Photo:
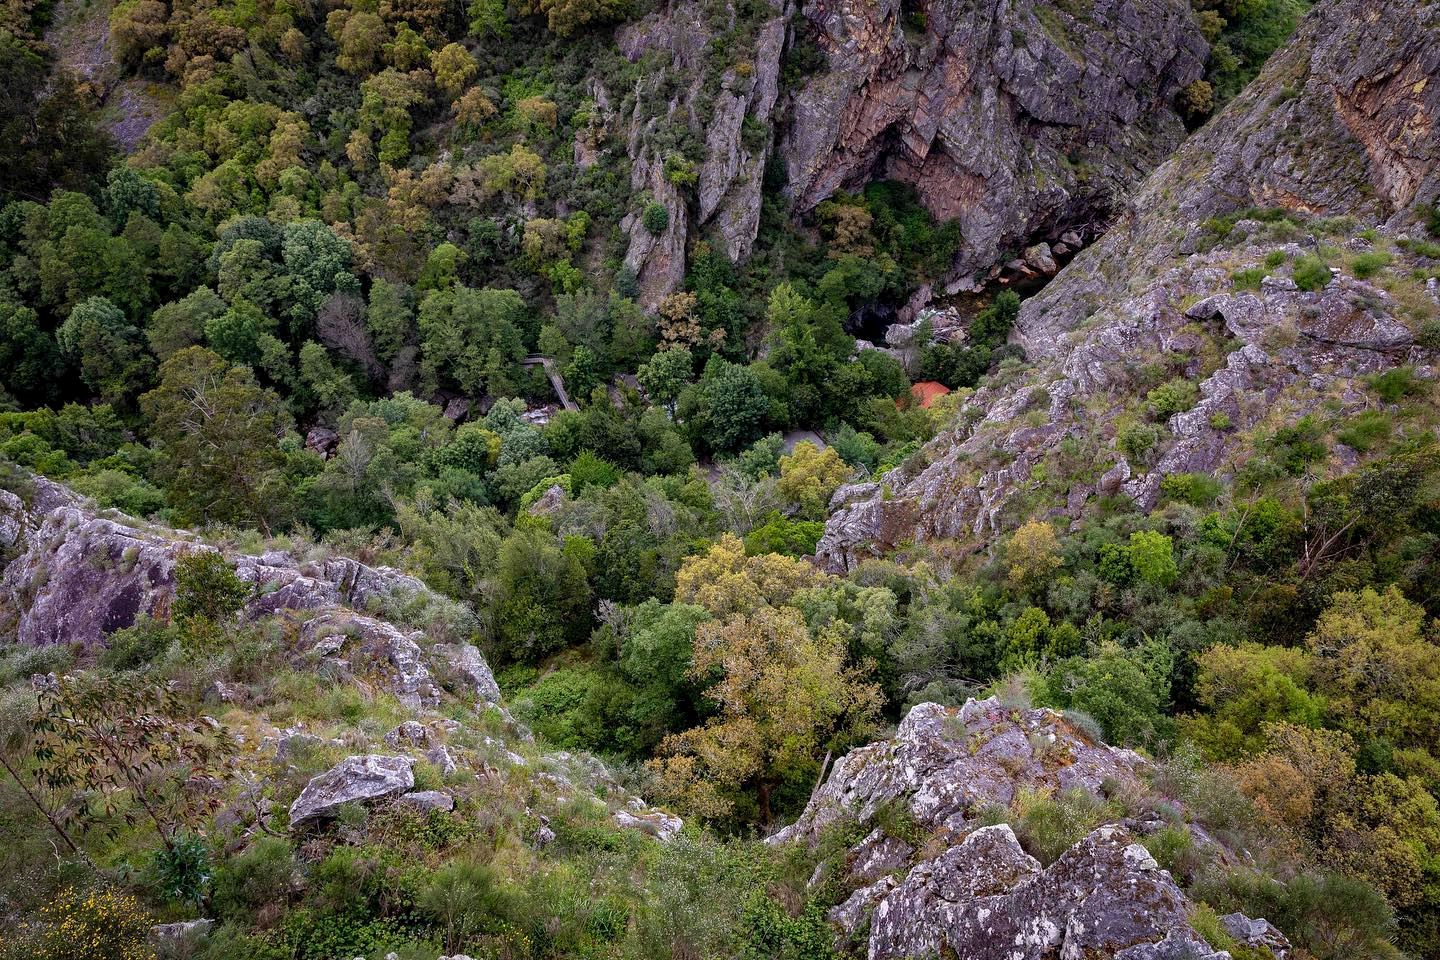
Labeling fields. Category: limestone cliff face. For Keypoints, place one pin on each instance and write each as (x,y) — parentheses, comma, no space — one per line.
(1024,120)
(1341,124)
(732,114)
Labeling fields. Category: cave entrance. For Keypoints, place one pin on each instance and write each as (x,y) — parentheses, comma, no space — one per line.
(871,321)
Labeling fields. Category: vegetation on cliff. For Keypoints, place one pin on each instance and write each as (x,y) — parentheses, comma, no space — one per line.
(311,317)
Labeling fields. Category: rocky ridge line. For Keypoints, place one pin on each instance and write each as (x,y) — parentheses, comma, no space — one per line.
(76,575)
(1339,124)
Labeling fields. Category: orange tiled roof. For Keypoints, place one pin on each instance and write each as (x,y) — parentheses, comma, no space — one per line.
(927,391)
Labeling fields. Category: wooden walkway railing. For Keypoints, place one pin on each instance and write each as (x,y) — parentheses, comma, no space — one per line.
(555,380)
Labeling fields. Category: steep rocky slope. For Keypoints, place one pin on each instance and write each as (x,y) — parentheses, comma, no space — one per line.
(76,576)
(953,885)
(1023,121)
(1335,146)
(948,882)
(725,108)
(80,35)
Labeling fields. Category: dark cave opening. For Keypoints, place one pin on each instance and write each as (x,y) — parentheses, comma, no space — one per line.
(870,321)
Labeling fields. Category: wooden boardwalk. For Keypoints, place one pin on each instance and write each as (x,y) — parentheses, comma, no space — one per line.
(555,380)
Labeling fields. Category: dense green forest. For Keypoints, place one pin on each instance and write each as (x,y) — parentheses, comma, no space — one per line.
(296,317)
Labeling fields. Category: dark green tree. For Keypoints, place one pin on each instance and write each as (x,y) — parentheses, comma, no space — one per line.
(206,588)
(48,134)
(667,374)
(107,348)
(182,323)
(543,598)
(217,431)
(31,366)
(471,339)
(727,409)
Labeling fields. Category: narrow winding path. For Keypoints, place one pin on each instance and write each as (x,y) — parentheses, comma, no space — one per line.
(555,381)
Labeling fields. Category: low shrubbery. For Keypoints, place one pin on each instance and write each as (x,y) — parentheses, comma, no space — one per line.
(1311,273)
(78,922)
(1368,264)
(1049,824)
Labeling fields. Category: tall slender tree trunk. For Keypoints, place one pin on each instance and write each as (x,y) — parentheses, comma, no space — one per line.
(44,811)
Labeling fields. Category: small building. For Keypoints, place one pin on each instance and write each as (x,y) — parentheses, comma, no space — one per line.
(926,392)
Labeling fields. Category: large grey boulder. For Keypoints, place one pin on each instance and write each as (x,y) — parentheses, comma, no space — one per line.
(657,823)
(465,665)
(411,733)
(354,779)
(948,765)
(1258,934)
(986,899)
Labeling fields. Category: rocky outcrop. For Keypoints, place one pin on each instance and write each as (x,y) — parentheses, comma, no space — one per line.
(729,181)
(1324,133)
(987,899)
(353,780)
(1023,121)
(971,890)
(81,574)
(548,502)
(12,511)
(657,261)
(78,575)
(464,664)
(949,766)
(732,113)
(349,642)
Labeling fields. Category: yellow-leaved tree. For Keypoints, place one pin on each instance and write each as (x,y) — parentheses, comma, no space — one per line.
(785,697)
(1382,828)
(1032,554)
(454,68)
(810,476)
(1373,661)
(726,582)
